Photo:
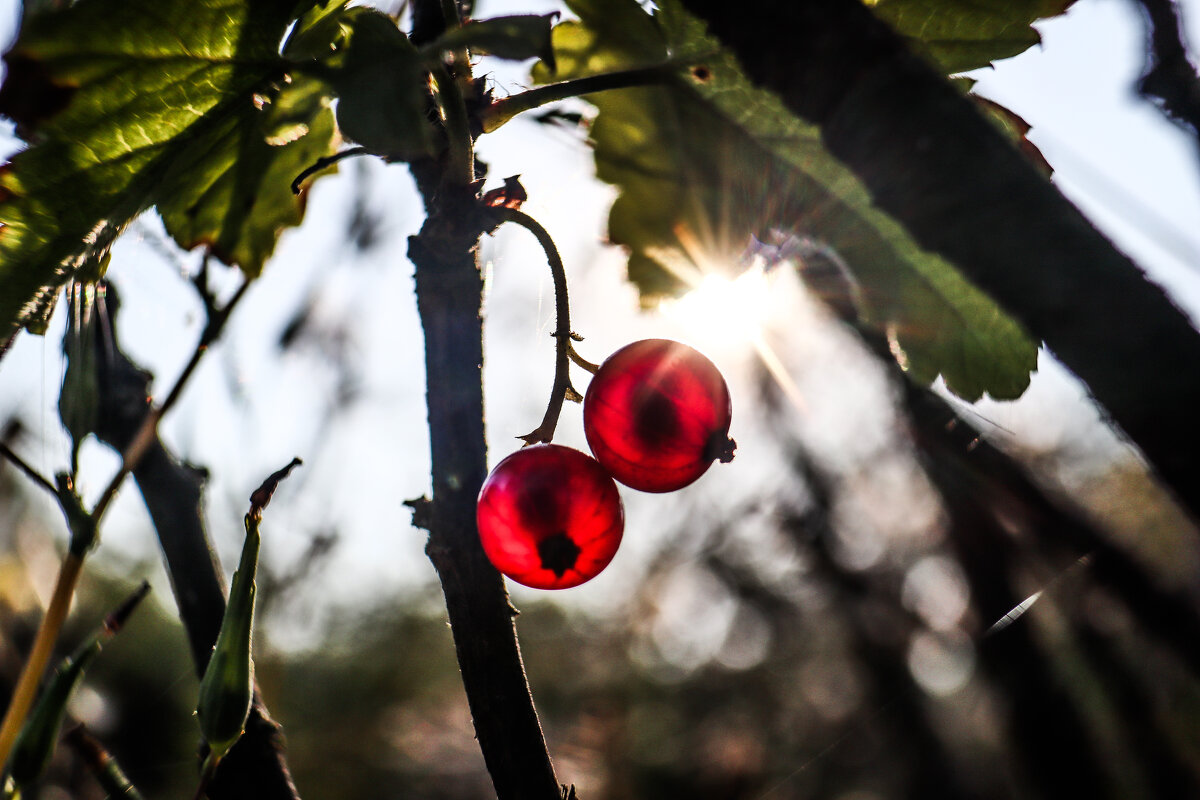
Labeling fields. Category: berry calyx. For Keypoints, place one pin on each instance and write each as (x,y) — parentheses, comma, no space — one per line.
(549,517)
(657,414)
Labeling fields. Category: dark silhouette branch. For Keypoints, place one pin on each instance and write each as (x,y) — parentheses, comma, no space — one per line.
(449,288)
(1170,80)
(256,766)
(963,191)
(449,295)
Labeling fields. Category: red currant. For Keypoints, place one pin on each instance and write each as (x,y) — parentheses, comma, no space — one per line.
(657,414)
(549,517)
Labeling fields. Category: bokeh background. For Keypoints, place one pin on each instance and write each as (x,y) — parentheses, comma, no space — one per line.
(813,620)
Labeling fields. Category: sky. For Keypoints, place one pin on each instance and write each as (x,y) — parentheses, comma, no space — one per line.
(251,409)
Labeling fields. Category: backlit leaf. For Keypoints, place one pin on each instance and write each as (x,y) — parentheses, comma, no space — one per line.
(516,37)
(127,104)
(963,36)
(709,160)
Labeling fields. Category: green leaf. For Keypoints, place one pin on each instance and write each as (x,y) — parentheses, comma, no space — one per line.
(962,36)
(131,103)
(516,37)
(709,160)
(381,84)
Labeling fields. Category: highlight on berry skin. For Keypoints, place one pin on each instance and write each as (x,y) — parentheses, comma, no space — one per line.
(549,517)
(657,414)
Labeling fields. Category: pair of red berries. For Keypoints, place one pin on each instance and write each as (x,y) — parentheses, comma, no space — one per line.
(656,415)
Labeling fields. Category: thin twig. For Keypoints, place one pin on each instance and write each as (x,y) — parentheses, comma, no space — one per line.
(149,428)
(1170,75)
(562,379)
(324,162)
(29,471)
(504,110)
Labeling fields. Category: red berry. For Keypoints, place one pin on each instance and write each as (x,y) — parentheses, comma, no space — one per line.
(657,414)
(549,517)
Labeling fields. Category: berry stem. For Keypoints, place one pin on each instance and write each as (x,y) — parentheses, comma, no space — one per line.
(562,389)
(579,360)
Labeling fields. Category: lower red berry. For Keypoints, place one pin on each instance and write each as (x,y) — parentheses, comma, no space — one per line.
(657,415)
(549,517)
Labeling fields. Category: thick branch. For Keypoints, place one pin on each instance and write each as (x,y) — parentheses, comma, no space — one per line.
(256,767)
(932,162)
(449,293)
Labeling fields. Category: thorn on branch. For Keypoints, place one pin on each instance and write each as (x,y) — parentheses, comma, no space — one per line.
(422,512)
(511,195)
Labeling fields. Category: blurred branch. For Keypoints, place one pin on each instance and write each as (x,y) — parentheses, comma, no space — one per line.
(29,471)
(146,432)
(255,767)
(990,499)
(103,766)
(1170,79)
(933,162)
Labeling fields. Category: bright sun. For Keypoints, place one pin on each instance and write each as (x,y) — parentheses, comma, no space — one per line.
(720,313)
(724,310)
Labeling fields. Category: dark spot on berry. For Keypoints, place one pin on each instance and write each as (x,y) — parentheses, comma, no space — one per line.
(657,418)
(558,553)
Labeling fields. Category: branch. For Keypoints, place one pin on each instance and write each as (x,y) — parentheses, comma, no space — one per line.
(501,111)
(562,388)
(148,432)
(29,471)
(256,767)
(932,162)
(449,297)
(1170,77)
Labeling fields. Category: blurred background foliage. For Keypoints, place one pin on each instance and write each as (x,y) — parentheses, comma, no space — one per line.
(800,638)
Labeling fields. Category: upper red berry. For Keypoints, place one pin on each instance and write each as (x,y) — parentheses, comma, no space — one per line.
(549,517)
(656,415)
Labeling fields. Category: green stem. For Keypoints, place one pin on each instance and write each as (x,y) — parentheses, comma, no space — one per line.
(504,110)
(39,656)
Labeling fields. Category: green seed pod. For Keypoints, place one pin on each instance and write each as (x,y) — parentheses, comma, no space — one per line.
(228,683)
(38,738)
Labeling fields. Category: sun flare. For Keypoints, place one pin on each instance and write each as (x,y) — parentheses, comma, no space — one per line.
(724,310)
(720,313)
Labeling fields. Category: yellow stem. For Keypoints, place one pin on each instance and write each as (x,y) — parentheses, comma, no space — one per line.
(43,647)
